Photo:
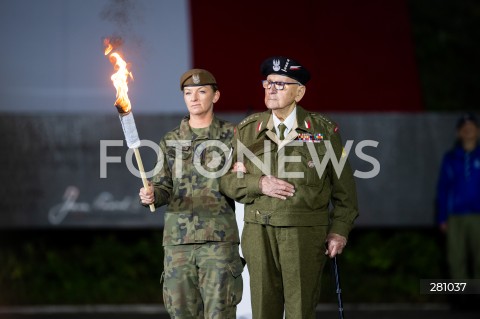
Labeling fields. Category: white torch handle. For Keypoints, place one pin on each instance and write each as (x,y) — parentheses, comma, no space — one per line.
(142,174)
(129,130)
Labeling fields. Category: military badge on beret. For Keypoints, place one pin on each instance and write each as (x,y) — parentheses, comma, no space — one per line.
(276,65)
(196,78)
(287,67)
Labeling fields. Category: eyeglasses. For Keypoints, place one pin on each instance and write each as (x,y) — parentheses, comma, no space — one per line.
(278,85)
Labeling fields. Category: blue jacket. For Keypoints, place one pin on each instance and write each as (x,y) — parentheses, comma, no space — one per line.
(458,189)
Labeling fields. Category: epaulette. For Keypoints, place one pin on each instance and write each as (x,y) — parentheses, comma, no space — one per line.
(329,123)
(251,118)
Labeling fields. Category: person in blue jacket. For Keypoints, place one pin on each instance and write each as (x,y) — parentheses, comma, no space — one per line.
(458,200)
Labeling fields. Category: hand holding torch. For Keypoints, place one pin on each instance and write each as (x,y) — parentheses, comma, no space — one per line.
(123,105)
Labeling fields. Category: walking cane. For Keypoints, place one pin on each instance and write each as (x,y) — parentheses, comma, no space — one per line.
(337,286)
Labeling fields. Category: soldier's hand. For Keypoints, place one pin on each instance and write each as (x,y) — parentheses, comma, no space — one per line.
(335,244)
(239,167)
(147,195)
(274,187)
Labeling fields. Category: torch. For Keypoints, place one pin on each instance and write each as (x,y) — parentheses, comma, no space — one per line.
(124,108)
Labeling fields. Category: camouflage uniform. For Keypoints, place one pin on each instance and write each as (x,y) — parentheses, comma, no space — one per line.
(202,267)
(283,240)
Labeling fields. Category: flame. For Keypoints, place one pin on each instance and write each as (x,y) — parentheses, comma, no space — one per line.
(119,78)
(109,48)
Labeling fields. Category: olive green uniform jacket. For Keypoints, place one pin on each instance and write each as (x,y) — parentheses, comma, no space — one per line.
(196,210)
(321,196)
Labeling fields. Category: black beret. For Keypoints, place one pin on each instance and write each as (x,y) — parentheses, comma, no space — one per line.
(197,77)
(285,66)
(466,118)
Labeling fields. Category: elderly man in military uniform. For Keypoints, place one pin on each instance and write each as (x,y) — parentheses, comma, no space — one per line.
(300,202)
(202,266)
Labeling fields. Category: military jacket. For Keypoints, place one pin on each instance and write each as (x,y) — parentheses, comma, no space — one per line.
(186,180)
(321,196)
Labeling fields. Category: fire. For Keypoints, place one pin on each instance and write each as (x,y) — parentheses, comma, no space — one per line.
(119,78)
(109,47)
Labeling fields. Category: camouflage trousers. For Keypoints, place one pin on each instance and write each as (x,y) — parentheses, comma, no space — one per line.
(202,280)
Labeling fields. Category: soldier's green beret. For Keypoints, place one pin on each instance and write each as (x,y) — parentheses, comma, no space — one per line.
(285,66)
(197,77)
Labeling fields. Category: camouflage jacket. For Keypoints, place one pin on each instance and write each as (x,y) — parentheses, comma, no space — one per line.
(186,181)
(298,159)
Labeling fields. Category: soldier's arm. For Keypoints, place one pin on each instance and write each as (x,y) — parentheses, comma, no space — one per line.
(344,194)
(243,188)
(162,180)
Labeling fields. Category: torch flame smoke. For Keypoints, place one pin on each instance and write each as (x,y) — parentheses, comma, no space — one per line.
(119,78)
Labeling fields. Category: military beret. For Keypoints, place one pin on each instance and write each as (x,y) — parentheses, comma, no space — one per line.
(197,77)
(467,117)
(285,66)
